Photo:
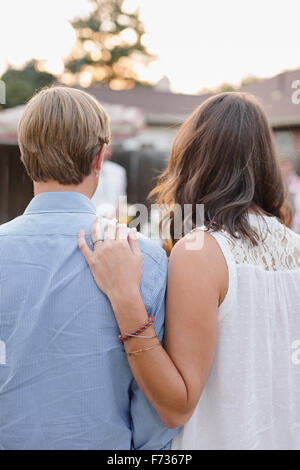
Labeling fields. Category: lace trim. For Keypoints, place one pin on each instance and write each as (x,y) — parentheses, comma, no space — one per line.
(278,247)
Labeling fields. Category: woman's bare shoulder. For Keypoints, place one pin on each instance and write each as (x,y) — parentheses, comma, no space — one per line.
(197,256)
(197,245)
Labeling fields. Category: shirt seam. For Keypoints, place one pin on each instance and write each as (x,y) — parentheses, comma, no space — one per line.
(21,235)
(60,212)
(157,259)
(154,277)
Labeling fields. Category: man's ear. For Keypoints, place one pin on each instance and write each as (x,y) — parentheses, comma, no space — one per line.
(99,159)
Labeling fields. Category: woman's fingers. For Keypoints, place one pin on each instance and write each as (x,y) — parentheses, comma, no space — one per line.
(96,232)
(122,232)
(110,230)
(116,262)
(113,231)
(85,250)
(133,241)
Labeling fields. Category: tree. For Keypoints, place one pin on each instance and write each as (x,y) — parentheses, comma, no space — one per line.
(249,80)
(22,84)
(224,87)
(109,46)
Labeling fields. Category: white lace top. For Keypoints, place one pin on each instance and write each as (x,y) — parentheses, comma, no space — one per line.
(252,397)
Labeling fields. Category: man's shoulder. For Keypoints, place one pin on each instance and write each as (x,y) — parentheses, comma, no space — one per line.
(64,224)
(12,226)
(152,251)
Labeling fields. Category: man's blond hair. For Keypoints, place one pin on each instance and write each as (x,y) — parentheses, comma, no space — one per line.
(60,133)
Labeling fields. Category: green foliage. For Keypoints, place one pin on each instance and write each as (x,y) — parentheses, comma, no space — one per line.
(224,87)
(249,80)
(22,84)
(109,45)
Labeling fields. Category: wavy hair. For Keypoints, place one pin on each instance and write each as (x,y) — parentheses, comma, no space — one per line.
(224,157)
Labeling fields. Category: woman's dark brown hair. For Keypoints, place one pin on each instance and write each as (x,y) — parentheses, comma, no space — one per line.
(224,157)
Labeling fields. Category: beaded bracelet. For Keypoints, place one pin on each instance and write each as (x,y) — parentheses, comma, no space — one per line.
(147,324)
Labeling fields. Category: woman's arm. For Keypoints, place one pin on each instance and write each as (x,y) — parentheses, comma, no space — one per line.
(171,379)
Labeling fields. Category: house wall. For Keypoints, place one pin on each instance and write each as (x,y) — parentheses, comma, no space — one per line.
(288,141)
(162,137)
(153,136)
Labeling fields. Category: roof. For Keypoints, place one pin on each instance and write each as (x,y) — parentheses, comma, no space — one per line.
(163,107)
(275,94)
(125,122)
(160,107)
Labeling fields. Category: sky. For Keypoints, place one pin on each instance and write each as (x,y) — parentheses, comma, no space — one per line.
(198,43)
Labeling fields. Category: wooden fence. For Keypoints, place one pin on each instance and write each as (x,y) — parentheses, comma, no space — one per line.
(15,186)
(16,190)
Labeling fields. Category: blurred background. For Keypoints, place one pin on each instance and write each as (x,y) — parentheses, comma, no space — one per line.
(150,63)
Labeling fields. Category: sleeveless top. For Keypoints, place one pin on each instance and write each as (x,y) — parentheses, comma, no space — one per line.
(252,397)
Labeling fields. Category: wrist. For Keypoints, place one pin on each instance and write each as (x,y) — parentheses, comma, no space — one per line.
(123,299)
(129,310)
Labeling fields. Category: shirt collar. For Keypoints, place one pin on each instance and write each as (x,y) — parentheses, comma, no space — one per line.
(58,202)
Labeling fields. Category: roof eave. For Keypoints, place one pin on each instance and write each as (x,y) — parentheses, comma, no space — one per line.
(165,119)
(287,121)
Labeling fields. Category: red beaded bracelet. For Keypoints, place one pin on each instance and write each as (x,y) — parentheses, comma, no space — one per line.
(146,325)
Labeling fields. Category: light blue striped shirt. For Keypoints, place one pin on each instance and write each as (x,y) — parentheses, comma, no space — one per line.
(66,382)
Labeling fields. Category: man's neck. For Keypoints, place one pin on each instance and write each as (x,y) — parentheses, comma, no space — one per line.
(85,188)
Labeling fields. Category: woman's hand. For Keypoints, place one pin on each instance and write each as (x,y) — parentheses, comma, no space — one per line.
(116,262)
